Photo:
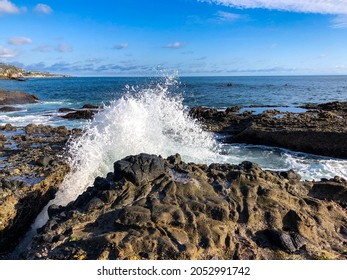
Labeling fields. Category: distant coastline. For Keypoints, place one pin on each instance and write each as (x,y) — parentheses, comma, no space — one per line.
(10,72)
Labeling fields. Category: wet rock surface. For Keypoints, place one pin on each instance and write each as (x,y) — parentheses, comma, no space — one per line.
(16,97)
(322,130)
(87,112)
(155,208)
(31,167)
(7,109)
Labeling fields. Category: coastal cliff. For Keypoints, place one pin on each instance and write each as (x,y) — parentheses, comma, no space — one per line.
(13,73)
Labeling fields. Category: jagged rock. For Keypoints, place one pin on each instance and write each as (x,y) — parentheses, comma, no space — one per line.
(16,97)
(139,169)
(317,132)
(152,208)
(86,112)
(31,171)
(81,114)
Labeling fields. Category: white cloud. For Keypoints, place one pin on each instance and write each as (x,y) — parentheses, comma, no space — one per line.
(64,48)
(225,16)
(6,53)
(7,7)
(43,9)
(305,6)
(176,45)
(339,21)
(19,41)
(120,46)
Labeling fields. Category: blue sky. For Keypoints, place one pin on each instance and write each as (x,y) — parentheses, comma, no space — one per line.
(192,37)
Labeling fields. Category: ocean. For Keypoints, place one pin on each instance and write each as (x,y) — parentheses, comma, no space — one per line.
(218,92)
(150,115)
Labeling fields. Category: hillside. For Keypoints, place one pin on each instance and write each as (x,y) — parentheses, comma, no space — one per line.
(12,72)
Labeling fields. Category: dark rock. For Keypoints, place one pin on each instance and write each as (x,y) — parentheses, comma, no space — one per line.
(332,189)
(139,169)
(90,106)
(321,133)
(10,109)
(168,209)
(330,106)
(102,183)
(290,175)
(281,240)
(64,110)
(81,114)
(16,97)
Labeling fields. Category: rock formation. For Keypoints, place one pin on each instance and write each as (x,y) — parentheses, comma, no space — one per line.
(322,130)
(16,97)
(32,168)
(155,208)
(87,112)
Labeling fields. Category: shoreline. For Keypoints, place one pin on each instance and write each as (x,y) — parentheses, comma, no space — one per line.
(38,175)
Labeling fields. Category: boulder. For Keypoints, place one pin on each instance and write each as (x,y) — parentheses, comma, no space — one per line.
(16,97)
(80,114)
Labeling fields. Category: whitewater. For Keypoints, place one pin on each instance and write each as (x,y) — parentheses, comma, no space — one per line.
(154,120)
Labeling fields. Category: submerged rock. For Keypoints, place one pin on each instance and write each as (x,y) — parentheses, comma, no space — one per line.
(155,208)
(322,131)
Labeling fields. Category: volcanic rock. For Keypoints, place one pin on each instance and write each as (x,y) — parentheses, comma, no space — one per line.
(152,208)
(32,167)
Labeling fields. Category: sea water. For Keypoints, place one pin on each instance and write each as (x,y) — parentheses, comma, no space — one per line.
(151,115)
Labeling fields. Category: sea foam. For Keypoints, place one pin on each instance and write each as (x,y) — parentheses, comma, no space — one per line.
(149,120)
(152,120)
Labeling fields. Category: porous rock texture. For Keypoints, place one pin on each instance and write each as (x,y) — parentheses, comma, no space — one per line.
(31,169)
(155,208)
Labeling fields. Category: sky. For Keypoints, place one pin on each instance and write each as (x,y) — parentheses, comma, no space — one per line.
(189,37)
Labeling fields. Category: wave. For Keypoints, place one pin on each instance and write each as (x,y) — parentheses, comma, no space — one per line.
(23,120)
(152,120)
(146,120)
(310,167)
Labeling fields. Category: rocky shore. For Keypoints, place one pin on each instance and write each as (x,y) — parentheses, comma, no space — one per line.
(32,167)
(155,208)
(321,130)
